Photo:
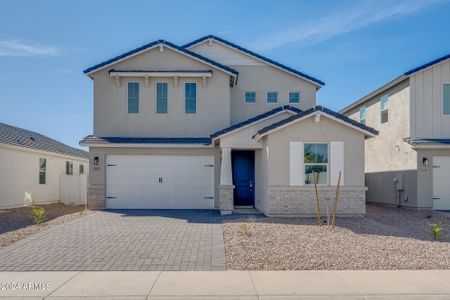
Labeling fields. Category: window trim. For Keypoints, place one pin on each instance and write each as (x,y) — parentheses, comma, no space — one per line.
(384,110)
(186,98)
(42,171)
(363,108)
(267,97)
(245,97)
(317,164)
(167,97)
(81,169)
(299,96)
(138,97)
(442,99)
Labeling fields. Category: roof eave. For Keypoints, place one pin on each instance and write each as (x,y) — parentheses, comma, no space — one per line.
(318,83)
(374,93)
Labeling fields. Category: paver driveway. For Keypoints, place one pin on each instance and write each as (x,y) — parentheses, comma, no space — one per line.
(124,240)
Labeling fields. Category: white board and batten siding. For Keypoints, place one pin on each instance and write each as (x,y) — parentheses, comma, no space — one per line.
(159,182)
(426,88)
(296,163)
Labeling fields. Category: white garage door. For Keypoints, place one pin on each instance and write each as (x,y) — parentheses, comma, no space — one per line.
(441,183)
(159,182)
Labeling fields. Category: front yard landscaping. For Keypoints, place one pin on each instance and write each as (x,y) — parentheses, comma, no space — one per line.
(386,239)
(18,223)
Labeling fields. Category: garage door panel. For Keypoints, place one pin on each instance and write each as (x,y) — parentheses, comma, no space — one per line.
(160,182)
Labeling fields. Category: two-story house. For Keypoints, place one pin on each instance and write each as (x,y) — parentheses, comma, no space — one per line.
(408,163)
(211,125)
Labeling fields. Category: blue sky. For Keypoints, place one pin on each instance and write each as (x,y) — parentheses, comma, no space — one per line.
(354,46)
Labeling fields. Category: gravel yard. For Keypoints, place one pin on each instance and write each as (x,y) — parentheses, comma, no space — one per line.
(16,223)
(386,239)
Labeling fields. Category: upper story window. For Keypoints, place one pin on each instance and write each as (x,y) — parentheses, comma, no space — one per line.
(81,169)
(272,97)
(190,90)
(250,97)
(446,98)
(161,98)
(316,163)
(294,97)
(133,97)
(42,170)
(384,108)
(69,168)
(362,114)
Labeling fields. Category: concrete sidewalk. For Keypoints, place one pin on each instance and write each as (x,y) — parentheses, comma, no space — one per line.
(227,285)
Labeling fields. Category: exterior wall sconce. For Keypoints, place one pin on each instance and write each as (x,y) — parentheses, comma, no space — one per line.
(96,161)
(425,161)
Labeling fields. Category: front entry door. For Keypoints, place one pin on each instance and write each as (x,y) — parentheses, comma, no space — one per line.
(243,177)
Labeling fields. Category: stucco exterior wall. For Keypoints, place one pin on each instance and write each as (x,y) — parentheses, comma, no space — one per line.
(19,176)
(97,177)
(308,130)
(427,119)
(111,117)
(258,76)
(387,155)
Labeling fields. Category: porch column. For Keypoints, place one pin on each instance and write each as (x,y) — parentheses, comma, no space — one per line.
(226,183)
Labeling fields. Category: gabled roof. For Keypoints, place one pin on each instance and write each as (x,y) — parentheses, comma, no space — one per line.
(307,113)
(254,120)
(154,44)
(91,139)
(394,82)
(19,137)
(302,75)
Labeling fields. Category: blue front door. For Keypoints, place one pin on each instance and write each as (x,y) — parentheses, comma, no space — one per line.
(243,177)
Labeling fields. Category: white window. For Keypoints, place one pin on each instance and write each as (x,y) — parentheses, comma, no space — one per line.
(446,98)
(362,114)
(316,163)
(250,97)
(384,108)
(133,97)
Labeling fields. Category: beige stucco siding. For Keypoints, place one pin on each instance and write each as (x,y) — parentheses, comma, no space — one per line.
(308,130)
(98,174)
(255,75)
(111,116)
(427,119)
(387,155)
(19,173)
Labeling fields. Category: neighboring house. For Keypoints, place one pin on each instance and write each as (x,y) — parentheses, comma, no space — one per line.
(31,165)
(409,162)
(213,125)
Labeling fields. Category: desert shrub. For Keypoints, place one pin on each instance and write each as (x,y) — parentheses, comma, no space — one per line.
(38,215)
(435,231)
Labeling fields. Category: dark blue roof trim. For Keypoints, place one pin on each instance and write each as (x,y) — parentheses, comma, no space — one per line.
(152,44)
(268,60)
(429,64)
(311,111)
(161,71)
(414,142)
(28,139)
(90,139)
(255,119)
